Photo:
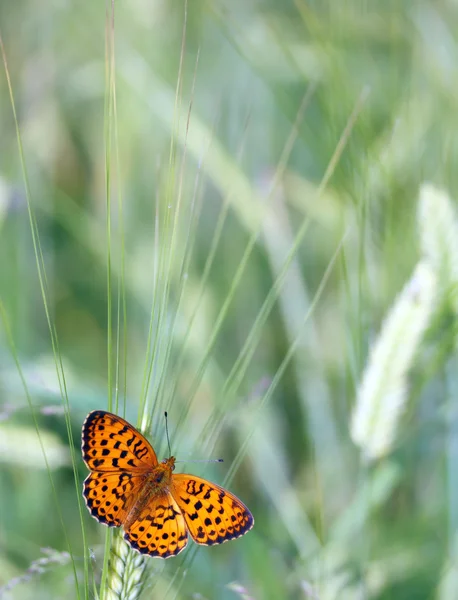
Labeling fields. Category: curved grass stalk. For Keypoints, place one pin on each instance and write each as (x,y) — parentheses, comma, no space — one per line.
(268,304)
(281,273)
(43,282)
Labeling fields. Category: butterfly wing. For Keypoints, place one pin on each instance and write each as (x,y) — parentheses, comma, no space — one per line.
(110,496)
(109,443)
(213,515)
(160,529)
(118,456)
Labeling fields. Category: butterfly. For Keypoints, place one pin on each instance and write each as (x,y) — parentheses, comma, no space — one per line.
(157,508)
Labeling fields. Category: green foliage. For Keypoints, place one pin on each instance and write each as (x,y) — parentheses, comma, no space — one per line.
(211,211)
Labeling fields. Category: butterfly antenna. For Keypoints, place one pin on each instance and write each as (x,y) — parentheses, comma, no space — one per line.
(167,433)
(207,460)
(219,460)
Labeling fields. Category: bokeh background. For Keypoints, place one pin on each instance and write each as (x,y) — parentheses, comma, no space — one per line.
(262,162)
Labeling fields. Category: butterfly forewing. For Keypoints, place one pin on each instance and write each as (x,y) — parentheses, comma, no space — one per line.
(110,443)
(213,515)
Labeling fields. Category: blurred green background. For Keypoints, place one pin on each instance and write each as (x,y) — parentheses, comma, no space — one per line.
(312,125)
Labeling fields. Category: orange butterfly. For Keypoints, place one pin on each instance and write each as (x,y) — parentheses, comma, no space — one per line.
(127,486)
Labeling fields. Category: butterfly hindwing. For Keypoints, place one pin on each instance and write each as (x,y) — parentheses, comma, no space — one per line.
(213,515)
(160,529)
(110,496)
(109,443)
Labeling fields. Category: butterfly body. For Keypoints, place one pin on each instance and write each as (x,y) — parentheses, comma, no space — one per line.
(128,487)
(155,483)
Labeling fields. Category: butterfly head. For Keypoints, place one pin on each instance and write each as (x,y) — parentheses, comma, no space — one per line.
(169,463)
